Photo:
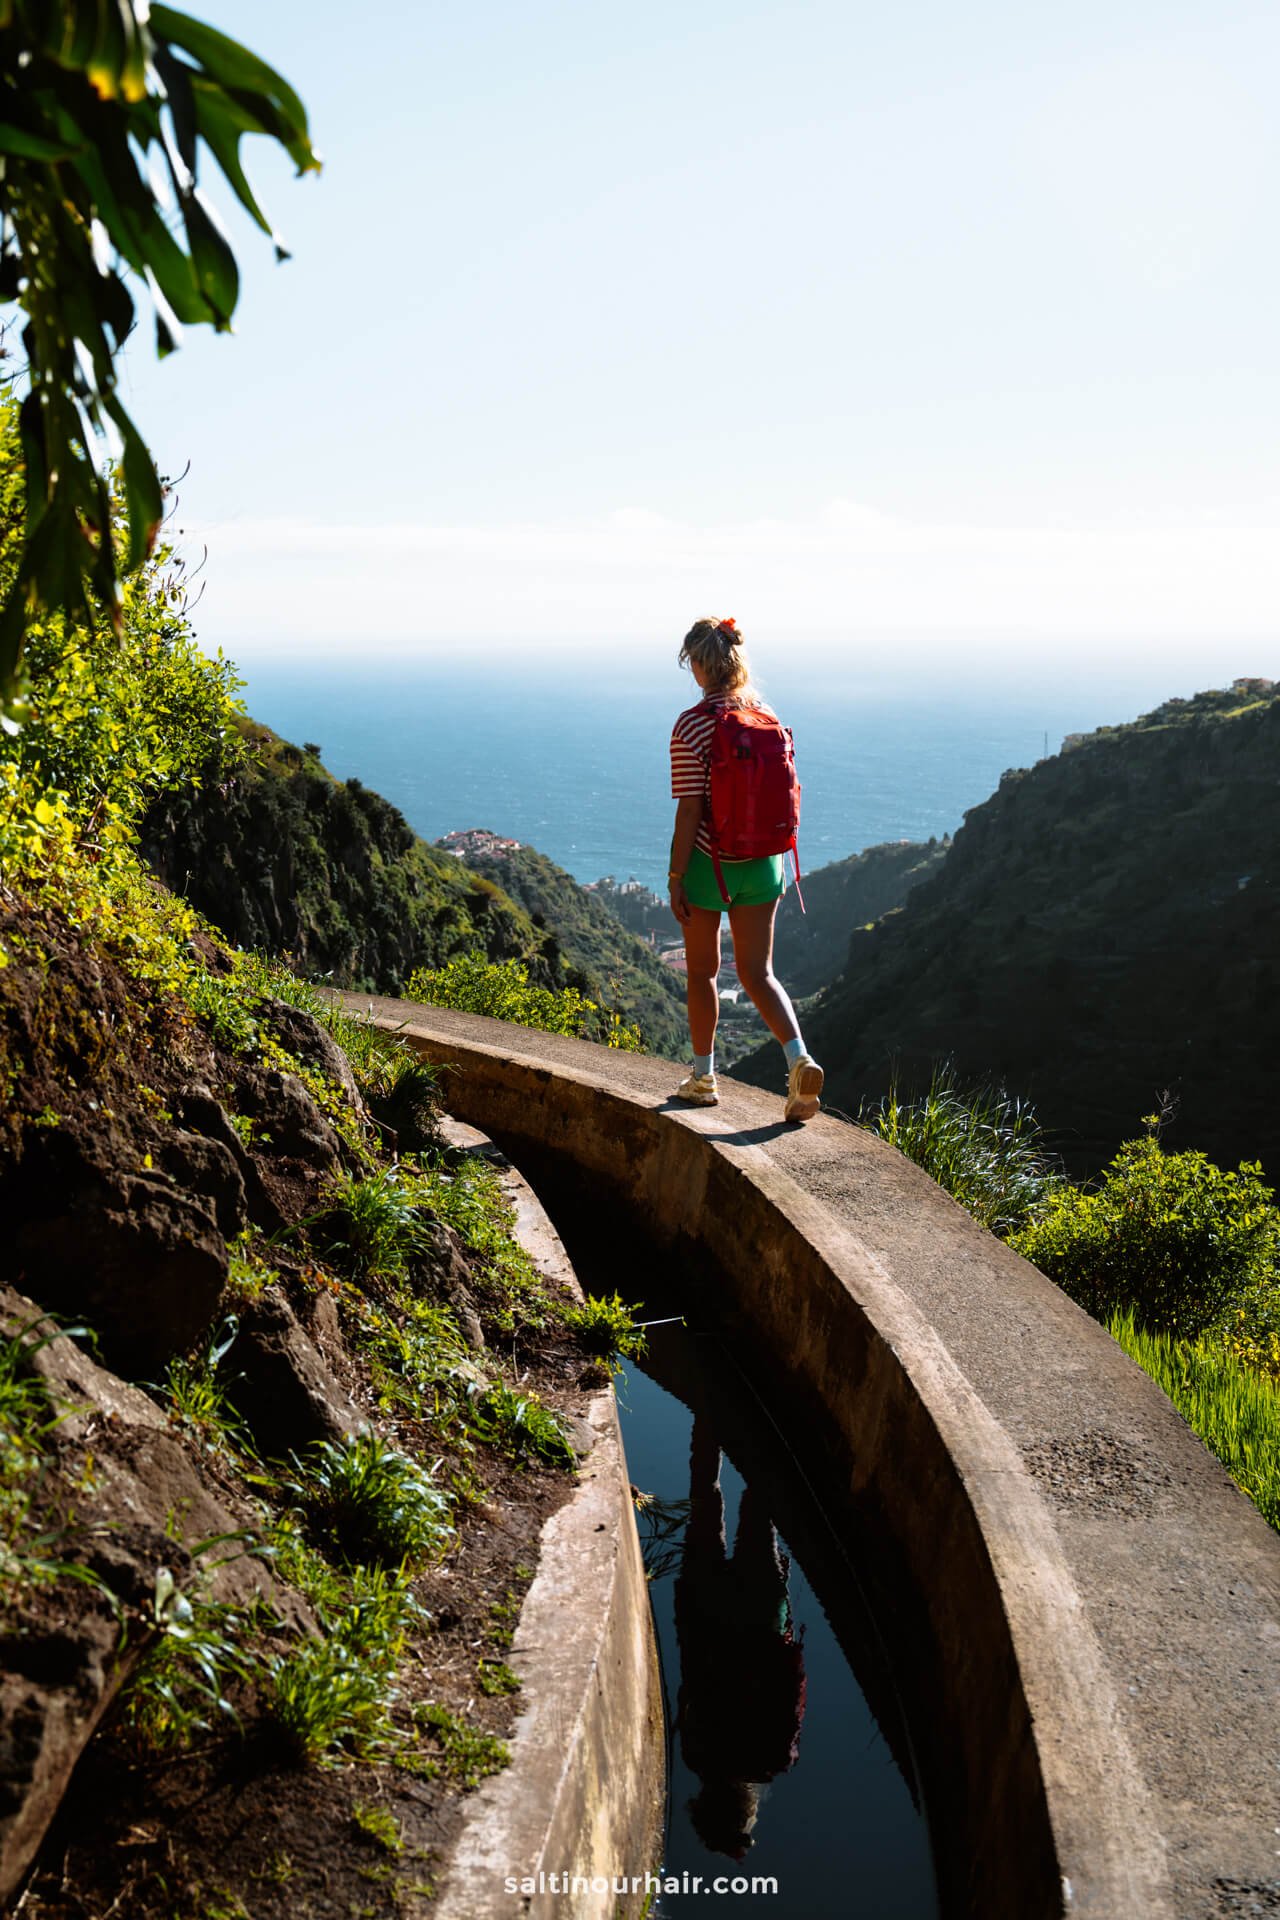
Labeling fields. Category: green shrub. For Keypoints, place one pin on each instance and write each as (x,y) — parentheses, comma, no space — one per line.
(472,984)
(26,1420)
(1235,1413)
(471,1199)
(374,1504)
(400,1089)
(1169,1235)
(981,1145)
(606,1326)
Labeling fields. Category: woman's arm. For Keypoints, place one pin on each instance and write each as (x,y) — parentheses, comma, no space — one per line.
(688,820)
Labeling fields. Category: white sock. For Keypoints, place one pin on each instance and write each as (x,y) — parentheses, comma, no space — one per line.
(703,1063)
(792,1050)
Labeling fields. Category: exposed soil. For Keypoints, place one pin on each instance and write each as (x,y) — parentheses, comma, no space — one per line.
(121,1159)
(153,1838)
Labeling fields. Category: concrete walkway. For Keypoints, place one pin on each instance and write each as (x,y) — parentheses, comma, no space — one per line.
(1138,1589)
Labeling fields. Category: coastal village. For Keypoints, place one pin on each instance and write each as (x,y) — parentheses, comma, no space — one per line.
(644,912)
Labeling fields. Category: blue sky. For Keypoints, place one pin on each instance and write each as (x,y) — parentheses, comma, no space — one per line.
(951,330)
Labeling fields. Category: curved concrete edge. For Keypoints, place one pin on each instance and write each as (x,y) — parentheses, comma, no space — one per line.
(1069,1786)
(1101,1811)
(583,1797)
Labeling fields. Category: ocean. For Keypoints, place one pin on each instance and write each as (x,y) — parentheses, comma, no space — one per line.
(575,762)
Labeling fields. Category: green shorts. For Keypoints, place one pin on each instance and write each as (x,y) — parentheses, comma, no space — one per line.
(749,883)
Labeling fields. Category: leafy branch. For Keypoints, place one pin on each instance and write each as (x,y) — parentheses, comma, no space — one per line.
(107,109)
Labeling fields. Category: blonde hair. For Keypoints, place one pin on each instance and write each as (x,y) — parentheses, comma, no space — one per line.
(716,646)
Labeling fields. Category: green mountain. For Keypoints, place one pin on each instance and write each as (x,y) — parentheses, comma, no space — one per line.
(1104,929)
(811,948)
(282,856)
(613,966)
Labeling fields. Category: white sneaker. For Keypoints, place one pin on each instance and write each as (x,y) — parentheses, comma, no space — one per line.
(804,1084)
(700,1090)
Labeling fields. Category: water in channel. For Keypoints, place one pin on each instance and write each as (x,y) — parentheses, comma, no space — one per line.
(777,1766)
(788,1755)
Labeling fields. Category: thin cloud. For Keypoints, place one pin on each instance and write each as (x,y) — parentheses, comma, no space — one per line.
(849,568)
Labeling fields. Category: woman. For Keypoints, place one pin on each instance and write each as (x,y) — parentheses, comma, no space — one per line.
(713,653)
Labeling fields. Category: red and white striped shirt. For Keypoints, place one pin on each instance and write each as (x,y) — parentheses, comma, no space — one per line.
(691,739)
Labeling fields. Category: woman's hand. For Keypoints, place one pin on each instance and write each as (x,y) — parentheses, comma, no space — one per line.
(688,820)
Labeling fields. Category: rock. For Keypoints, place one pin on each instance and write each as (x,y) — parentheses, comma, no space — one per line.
(442,1270)
(209,1168)
(140,1261)
(469,1323)
(311,1043)
(443,1258)
(79,1389)
(288,1113)
(280,1383)
(54,1689)
(580,1434)
(64,1659)
(197,1110)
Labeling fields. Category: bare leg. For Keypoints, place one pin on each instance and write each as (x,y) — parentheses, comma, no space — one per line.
(702,958)
(752,929)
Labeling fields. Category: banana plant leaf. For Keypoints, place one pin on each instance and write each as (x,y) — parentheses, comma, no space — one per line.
(96,98)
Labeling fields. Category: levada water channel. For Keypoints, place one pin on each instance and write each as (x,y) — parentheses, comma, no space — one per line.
(789,1755)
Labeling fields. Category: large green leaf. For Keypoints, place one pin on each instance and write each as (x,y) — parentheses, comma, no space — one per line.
(215,264)
(32,146)
(232,65)
(90,90)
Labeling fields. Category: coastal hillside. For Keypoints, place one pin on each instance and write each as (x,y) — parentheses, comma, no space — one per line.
(613,966)
(284,1402)
(1104,929)
(811,948)
(286,859)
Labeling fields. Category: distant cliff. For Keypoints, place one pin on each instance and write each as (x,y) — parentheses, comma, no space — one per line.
(812,947)
(1104,928)
(283,857)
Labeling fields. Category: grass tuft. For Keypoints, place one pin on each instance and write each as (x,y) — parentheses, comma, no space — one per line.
(202,1651)
(983,1146)
(467,1756)
(379,1825)
(371,1227)
(1235,1411)
(374,1505)
(521,1426)
(322,1695)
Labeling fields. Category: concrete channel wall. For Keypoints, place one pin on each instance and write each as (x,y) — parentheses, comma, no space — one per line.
(1087,1611)
(580,1806)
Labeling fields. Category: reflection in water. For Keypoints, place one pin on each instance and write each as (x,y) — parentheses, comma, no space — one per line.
(788,1753)
(787,1740)
(742,1679)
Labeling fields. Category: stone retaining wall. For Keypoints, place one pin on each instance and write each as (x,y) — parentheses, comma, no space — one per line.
(582,1798)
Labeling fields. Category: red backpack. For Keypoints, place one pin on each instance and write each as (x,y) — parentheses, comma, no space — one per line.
(755,795)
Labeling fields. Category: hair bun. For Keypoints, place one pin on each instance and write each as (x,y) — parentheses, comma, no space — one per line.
(729,628)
